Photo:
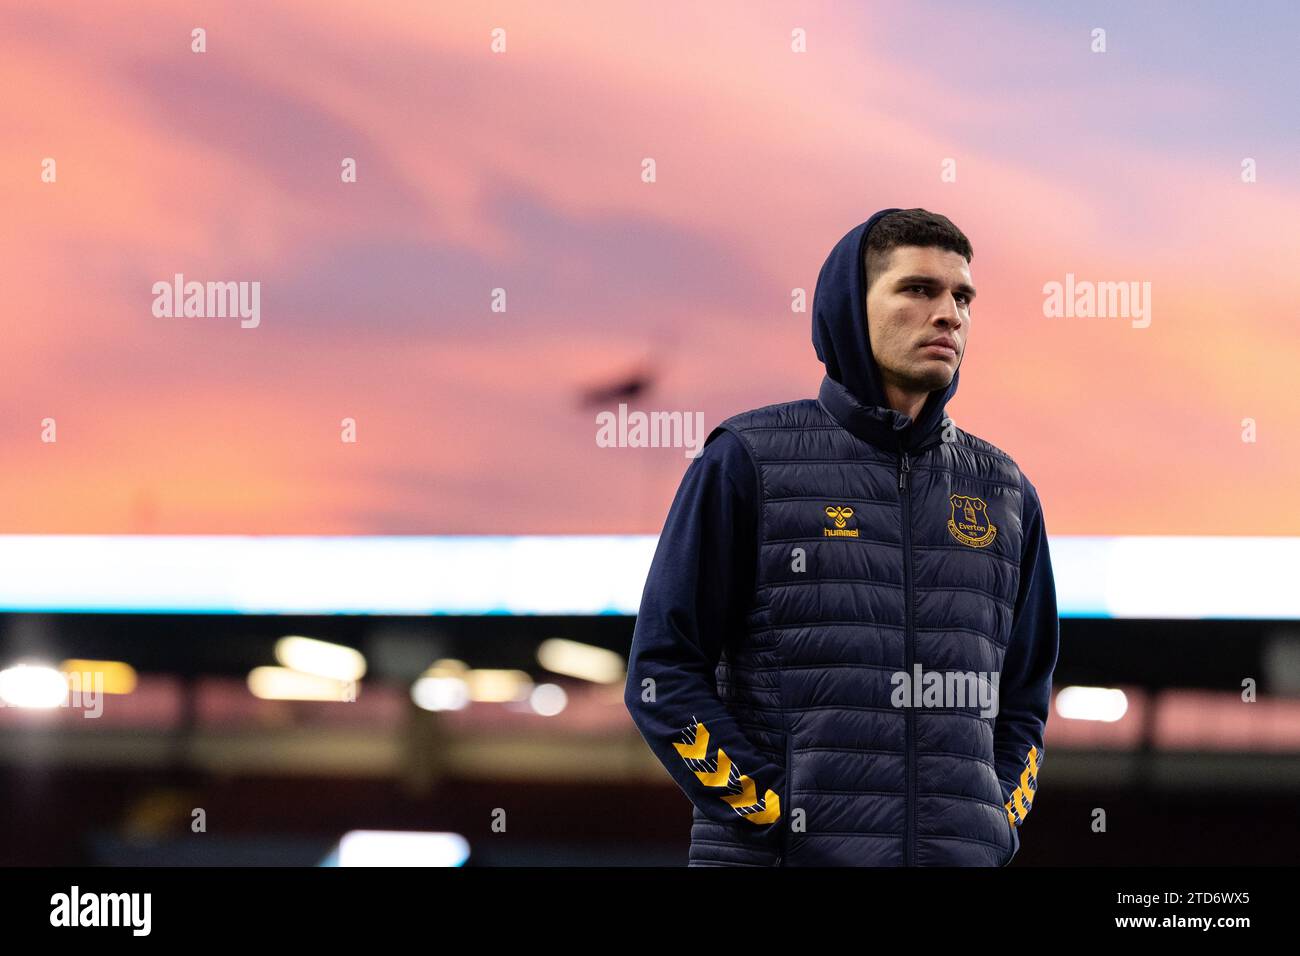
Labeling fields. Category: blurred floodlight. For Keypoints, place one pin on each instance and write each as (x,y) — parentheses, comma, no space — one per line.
(548,699)
(118,677)
(33,685)
(396,848)
(320,658)
(497,686)
(1091,703)
(583,661)
(283,683)
(440,693)
(446,667)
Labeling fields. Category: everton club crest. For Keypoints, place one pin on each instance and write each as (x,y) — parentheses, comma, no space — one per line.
(970,522)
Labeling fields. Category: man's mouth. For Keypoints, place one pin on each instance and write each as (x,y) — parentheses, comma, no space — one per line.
(941,348)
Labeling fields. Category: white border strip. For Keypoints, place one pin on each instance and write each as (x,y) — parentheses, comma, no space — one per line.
(1124,577)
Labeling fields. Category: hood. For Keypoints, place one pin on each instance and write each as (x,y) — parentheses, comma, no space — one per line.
(851,390)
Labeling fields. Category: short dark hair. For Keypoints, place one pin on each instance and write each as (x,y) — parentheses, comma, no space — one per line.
(911,227)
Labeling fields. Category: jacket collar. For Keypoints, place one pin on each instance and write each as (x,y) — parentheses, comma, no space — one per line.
(883,427)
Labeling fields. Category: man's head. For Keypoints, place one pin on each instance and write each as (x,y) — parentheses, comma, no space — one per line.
(919,290)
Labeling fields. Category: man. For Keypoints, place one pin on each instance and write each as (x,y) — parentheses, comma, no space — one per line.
(823,554)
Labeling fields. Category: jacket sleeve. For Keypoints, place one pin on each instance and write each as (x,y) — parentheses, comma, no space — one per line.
(699,588)
(1025,686)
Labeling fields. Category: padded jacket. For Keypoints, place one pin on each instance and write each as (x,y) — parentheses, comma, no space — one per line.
(845,645)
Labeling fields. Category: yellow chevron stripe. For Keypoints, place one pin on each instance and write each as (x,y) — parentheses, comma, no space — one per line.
(747,797)
(1031,768)
(719,777)
(1022,797)
(771,814)
(768,811)
(1013,806)
(698,749)
(1025,801)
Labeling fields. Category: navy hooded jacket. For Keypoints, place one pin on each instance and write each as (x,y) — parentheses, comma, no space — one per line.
(814,551)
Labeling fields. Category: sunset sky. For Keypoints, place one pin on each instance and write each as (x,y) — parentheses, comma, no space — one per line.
(522,170)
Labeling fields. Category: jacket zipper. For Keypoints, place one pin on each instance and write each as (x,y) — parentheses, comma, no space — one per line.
(909,652)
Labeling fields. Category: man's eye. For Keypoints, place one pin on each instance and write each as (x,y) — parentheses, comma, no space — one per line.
(925,290)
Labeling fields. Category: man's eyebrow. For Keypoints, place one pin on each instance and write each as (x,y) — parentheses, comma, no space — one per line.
(932,281)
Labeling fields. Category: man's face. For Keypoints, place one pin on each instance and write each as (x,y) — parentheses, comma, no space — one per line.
(924,295)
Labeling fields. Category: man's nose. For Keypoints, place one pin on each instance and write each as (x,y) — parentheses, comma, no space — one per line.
(947,312)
